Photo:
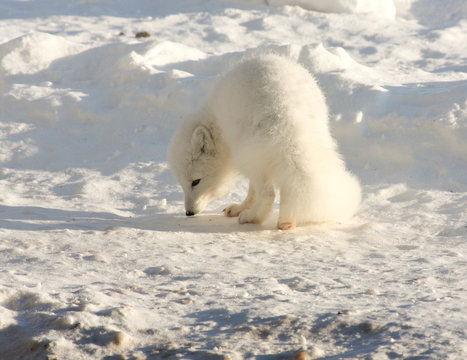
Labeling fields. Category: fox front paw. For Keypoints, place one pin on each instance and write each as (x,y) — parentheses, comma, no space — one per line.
(233,210)
(247,216)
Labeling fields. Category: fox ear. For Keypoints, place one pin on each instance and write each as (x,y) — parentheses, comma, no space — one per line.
(202,142)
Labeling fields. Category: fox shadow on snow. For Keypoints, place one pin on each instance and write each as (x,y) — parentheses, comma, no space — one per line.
(34,218)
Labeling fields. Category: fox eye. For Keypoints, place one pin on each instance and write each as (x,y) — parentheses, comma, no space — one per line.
(195,182)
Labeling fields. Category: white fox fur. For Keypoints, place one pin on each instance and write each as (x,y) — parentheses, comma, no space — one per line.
(267,119)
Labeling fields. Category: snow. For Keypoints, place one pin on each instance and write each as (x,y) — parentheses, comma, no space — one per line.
(98,260)
(379,8)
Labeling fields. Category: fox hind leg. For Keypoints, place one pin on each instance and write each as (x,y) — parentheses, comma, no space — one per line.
(288,208)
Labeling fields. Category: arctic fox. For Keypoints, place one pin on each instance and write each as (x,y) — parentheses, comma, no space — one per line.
(268,120)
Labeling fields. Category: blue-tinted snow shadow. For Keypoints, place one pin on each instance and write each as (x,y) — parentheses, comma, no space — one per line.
(34,218)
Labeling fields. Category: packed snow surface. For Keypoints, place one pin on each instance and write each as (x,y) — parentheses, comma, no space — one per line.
(98,260)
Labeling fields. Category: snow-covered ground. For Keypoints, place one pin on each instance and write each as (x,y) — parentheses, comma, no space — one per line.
(97,260)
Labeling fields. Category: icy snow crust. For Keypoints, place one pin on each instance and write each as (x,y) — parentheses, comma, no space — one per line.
(97,259)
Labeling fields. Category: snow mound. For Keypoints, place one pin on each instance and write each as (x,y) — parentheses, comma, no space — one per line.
(168,52)
(33,52)
(319,60)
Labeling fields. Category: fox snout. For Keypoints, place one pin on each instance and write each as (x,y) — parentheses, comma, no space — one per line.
(193,208)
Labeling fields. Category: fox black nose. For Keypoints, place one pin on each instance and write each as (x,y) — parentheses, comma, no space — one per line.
(189,213)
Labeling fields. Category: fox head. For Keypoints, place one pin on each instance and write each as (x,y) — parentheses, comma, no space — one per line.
(200,163)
